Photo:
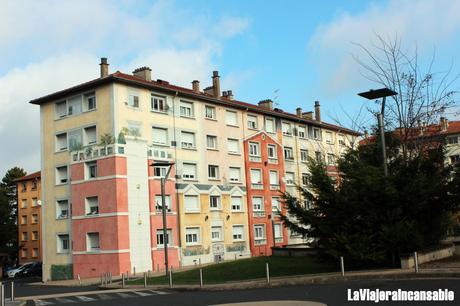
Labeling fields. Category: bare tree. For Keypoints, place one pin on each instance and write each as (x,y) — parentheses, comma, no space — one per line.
(423,95)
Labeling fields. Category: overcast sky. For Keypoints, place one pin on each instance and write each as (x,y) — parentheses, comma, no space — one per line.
(292,51)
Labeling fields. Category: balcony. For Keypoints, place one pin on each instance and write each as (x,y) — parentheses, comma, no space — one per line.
(273,160)
(257,186)
(96,151)
(279,240)
(260,241)
(274,187)
(255,159)
(258,214)
(159,154)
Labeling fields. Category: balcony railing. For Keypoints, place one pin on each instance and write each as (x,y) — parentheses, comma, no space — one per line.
(274,186)
(279,239)
(96,151)
(257,186)
(255,159)
(258,214)
(260,241)
(273,160)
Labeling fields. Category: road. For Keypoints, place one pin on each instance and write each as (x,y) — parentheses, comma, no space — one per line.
(330,294)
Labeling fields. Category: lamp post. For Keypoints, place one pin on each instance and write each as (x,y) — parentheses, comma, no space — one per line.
(373,95)
(163,208)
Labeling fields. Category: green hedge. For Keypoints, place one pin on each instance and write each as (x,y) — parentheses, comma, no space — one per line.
(60,272)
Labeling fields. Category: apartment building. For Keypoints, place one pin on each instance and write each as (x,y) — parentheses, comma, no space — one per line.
(29,218)
(102,144)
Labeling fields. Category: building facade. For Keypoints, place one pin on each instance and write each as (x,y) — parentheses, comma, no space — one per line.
(29,218)
(103,146)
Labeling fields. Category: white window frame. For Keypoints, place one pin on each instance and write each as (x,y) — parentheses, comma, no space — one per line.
(59,146)
(254,170)
(60,178)
(190,177)
(302,130)
(187,144)
(262,208)
(186,109)
(303,155)
(91,170)
(158,203)
(59,211)
(254,149)
(60,238)
(235,141)
(155,140)
(213,140)
(218,202)
(236,208)
(227,118)
(252,122)
(89,242)
(216,229)
(155,105)
(196,230)
(274,125)
(232,179)
(288,131)
(92,206)
(290,178)
(212,115)
(261,227)
(216,170)
(288,156)
(169,238)
(188,209)
(240,232)
(275,151)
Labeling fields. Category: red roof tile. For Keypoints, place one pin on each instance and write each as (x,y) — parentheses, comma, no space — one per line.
(29,177)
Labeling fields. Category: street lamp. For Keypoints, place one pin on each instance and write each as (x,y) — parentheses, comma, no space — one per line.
(163,208)
(373,95)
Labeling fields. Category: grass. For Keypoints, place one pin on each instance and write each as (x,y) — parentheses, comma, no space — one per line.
(245,269)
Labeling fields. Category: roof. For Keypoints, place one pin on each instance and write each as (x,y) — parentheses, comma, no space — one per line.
(164,86)
(29,177)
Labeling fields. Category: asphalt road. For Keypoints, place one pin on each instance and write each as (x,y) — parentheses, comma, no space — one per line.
(330,294)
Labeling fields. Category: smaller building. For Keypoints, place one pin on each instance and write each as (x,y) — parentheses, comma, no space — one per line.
(29,218)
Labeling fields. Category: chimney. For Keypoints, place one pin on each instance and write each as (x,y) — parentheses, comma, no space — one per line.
(143,73)
(317,111)
(196,86)
(224,94)
(307,115)
(230,94)
(444,124)
(366,134)
(298,111)
(267,104)
(216,84)
(104,67)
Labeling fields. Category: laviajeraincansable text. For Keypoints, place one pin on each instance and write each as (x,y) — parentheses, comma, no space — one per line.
(377,295)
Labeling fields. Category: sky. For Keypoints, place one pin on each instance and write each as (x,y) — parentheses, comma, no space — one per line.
(293,52)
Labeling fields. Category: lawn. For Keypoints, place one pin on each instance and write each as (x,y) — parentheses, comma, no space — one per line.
(245,269)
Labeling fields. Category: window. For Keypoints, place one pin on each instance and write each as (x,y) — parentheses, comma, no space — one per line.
(25,236)
(186,109)
(63,243)
(90,135)
(288,153)
(274,180)
(342,140)
(23,219)
(74,105)
(236,202)
(318,157)
(237,232)
(302,132)
(90,101)
(278,230)
(233,146)
(158,203)
(252,122)
(24,253)
(216,233)
(290,178)
(257,203)
(133,100)
(454,159)
(160,238)
(134,128)
(192,235)
(187,140)
(211,142)
(254,149)
(276,207)
(24,186)
(92,206)
(92,242)
(330,159)
(60,109)
(158,103)
(303,155)
(286,128)
(159,172)
(34,219)
(234,174)
(305,179)
(61,175)
(91,170)
(191,203)
(213,172)
(75,139)
(34,184)
(231,118)
(35,235)
(34,252)
(452,140)
(24,203)
(316,133)
(62,209)
(61,142)
(259,232)
(34,202)
(214,202)
(270,125)
(256,176)
(159,136)
(271,150)
(210,112)
(189,171)
(329,137)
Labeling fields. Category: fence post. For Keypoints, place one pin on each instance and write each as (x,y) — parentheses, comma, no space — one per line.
(102,280)
(170,279)
(267,270)
(123,280)
(199,261)
(110,277)
(342,266)
(2,295)
(12,291)
(201,278)
(416,262)
(79,279)
(145,280)
(134,271)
